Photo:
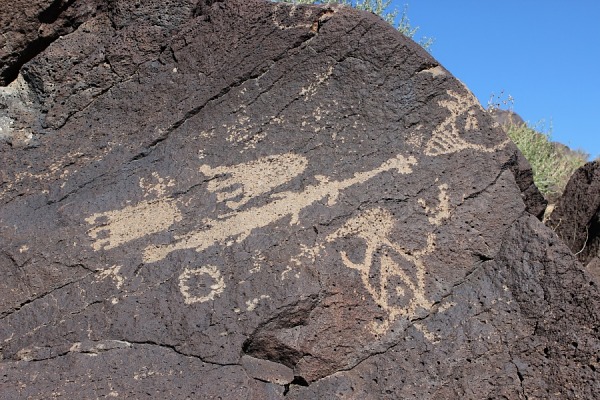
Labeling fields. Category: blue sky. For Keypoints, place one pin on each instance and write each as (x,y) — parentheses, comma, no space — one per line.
(545,54)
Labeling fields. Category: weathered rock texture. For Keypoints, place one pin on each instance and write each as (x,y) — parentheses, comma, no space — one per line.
(507,117)
(251,200)
(576,216)
(30,26)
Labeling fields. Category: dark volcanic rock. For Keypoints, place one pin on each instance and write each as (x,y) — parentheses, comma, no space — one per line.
(534,200)
(507,117)
(576,216)
(30,26)
(243,199)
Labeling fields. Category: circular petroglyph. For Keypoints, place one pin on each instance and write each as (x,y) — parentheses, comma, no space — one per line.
(200,285)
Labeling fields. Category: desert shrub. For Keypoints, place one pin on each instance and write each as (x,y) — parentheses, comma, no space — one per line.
(378,7)
(552,163)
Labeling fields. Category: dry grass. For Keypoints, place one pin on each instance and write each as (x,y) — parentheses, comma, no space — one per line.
(552,163)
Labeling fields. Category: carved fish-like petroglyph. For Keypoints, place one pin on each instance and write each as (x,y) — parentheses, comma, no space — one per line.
(236,226)
(235,186)
(374,227)
(447,138)
(248,180)
(118,227)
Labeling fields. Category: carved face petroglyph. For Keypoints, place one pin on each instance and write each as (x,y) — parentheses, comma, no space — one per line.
(446,138)
(374,227)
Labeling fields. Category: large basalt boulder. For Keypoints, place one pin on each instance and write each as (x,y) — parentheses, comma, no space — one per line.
(576,215)
(30,26)
(244,199)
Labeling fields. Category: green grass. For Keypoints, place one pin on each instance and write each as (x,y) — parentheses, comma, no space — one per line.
(552,163)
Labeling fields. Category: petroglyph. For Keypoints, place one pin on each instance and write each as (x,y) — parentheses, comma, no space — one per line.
(442,211)
(113,273)
(446,137)
(432,337)
(201,285)
(313,26)
(307,256)
(245,181)
(132,222)
(251,304)
(156,186)
(374,226)
(309,91)
(58,170)
(246,130)
(236,226)
(446,306)
(415,139)
(280,24)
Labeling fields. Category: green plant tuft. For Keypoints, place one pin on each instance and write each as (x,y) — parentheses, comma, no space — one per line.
(552,163)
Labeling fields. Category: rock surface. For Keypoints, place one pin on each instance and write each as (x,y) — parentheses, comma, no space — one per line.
(507,117)
(30,26)
(576,216)
(250,200)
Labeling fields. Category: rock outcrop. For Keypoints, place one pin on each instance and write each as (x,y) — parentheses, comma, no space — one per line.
(30,26)
(252,200)
(576,216)
(507,117)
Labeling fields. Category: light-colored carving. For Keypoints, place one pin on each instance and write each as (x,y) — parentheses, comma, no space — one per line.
(291,13)
(251,304)
(446,137)
(442,210)
(196,294)
(246,130)
(245,181)
(432,337)
(313,26)
(309,91)
(258,260)
(307,256)
(57,170)
(118,227)
(236,226)
(415,139)
(113,273)
(374,226)
(157,186)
